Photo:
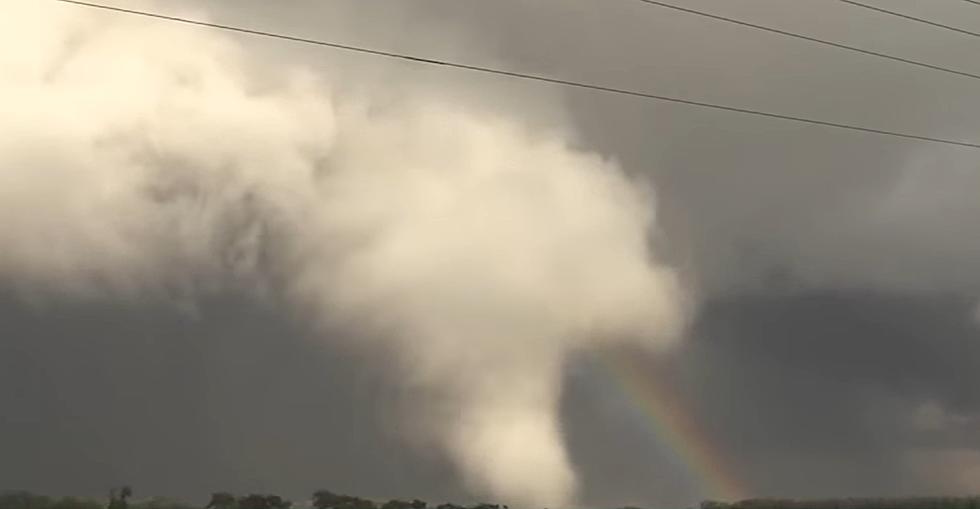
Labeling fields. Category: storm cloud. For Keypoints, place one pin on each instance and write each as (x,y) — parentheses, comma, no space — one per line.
(833,349)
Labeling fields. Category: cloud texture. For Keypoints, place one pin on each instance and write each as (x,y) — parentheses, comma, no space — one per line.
(147,161)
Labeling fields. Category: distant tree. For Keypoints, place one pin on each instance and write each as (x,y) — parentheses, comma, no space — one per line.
(414,504)
(257,501)
(75,503)
(23,500)
(253,502)
(711,504)
(396,504)
(277,502)
(325,499)
(159,503)
(119,500)
(222,500)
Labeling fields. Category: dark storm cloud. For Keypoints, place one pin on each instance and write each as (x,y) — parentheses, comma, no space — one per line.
(839,274)
(469,250)
(839,271)
(96,395)
(824,389)
(802,396)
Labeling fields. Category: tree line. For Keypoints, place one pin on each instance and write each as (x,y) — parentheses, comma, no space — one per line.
(122,499)
(851,503)
(118,499)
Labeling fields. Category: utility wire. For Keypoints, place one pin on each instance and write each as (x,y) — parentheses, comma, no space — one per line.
(824,42)
(525,76)
(972,2)
(912,18)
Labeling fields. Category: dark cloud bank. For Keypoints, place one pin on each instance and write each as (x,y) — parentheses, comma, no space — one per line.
(834,350)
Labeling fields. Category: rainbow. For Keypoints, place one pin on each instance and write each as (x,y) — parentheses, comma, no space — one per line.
(672,425)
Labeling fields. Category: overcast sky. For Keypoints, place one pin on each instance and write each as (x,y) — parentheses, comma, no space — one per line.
(833,347)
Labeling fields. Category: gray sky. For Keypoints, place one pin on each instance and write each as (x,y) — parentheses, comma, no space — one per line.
(834,350)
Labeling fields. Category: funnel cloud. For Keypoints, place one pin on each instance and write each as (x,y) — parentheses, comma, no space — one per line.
(477,253)
(234,263)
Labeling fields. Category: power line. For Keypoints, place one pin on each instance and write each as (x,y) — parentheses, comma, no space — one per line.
(972,2)
(808,38)
(912,18)
(525,76)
